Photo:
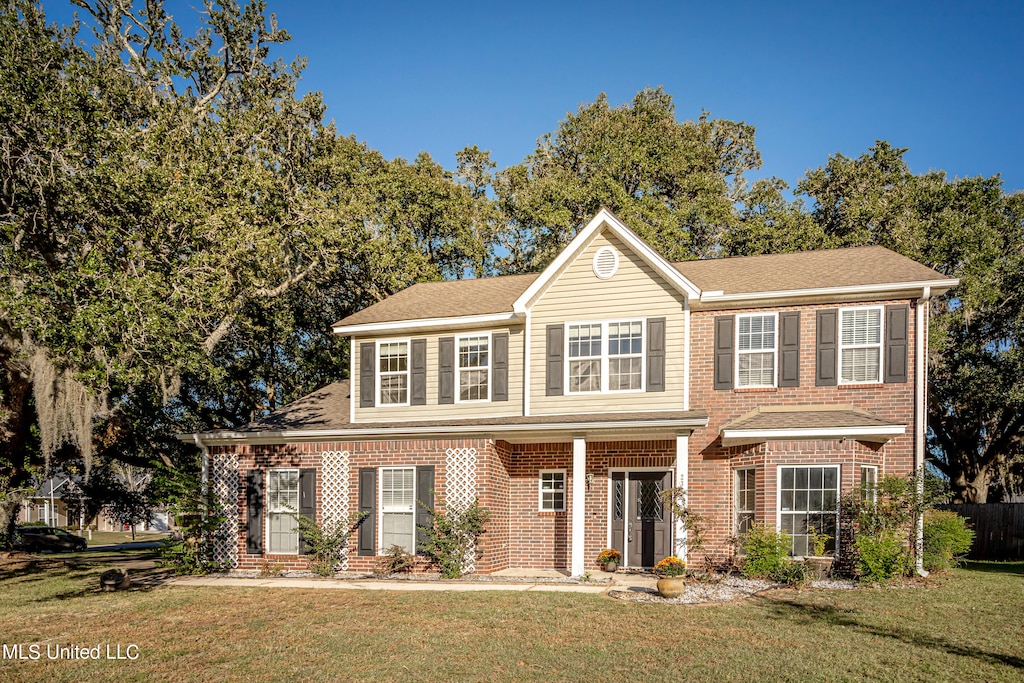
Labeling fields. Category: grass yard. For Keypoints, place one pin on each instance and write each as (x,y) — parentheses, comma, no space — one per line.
(968,625)
(116,537)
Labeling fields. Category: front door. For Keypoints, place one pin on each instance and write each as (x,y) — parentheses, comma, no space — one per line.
(648,523)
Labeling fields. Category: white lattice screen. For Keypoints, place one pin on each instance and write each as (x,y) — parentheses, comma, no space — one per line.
(460,487)
(335,498)
(224,486)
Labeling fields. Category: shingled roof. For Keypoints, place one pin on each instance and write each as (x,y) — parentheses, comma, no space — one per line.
(807,270)
(811,421)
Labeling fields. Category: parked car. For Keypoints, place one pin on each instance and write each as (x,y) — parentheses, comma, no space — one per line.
(39,538)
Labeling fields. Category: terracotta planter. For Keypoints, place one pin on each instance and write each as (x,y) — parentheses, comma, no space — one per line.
(611,566)
(671,586)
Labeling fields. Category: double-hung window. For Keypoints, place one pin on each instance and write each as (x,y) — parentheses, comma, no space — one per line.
(744,500)
(552,491)
(605,356)
(868,483)
(282,507)
(474,368)
(756,350)
(809,503)
(398,508)
(860,345)
(393,369)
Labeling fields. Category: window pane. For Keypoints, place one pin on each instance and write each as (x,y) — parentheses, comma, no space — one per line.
(584,341)
(625,338)
(863,326)
(756,332)
(624,373)
(756,369)
(473,352)
(394,388)
(813,492)
(860,365)
(394,357)
(473,385)
(397,529)
(584,375)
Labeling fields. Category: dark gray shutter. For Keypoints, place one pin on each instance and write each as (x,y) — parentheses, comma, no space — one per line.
(789,349)
(725,327)
(555,343)
(896,319)
(367,388)
(655,354)
(425,495)
(307,501)
(368,523)
(418,373)
(446,370)
(254,512)
(499,367)
(827,349)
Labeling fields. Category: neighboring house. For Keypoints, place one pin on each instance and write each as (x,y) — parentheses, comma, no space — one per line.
(47,505)
(566,401)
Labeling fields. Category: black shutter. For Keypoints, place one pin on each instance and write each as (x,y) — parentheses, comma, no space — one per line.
(418,373)
(254,512)
(499,371)
(725,326)
(896,342)
(446,370)
(367,388)
(368,522)
(789,349)
(555,342)
(307,501)
(425,495)
(655,354)
(827,349)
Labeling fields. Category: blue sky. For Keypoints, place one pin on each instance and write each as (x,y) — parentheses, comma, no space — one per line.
(942,78)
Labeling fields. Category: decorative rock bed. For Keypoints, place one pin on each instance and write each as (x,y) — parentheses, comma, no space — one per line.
(730,588)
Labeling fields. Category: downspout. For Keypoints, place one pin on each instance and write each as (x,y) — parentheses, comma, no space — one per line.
(921,421)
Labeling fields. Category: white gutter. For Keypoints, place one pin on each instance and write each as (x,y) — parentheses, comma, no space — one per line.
(398,325)
(920,418)
(939,285)
(732,437)
(526,366)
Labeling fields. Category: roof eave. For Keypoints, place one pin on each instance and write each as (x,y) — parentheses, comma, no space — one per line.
(873,434)
(453,322)
(936,287)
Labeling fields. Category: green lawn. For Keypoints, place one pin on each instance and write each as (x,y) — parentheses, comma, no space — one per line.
(968,625)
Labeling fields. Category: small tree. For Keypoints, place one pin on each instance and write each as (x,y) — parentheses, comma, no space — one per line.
(695,525)
(884,527)
(451,539)
(191,549)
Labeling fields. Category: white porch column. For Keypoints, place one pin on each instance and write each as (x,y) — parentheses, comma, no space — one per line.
(579,492)
(683,482)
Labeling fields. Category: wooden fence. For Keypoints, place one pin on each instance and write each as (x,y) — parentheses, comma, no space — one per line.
(998,529)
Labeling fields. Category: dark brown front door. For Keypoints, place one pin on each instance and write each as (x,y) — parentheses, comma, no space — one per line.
(649,526)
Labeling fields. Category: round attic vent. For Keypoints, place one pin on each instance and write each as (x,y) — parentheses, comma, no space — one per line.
(606,262)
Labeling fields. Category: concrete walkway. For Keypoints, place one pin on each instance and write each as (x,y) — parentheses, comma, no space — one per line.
(603,582)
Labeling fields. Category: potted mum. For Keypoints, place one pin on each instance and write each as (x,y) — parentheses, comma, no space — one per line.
(671,573)
(609,559)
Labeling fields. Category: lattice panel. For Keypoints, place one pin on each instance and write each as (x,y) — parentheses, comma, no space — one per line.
(460,487)
(224,486)
(335,498)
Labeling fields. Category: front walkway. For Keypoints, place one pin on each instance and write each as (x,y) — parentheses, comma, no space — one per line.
(519,581)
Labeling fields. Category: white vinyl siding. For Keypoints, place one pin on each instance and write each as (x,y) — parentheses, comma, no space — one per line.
(398,508)
(809,498)
(860,345)
(756,346)
(474,362)
(282,506)
(393,372)
(552,491)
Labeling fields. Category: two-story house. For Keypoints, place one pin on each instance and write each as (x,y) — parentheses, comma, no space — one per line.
(567,401)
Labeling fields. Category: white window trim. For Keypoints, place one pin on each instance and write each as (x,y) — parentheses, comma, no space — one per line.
(605,357)
(408,372)
(540,490)
(380,505)
(842,347)
(775,352)
(266,503)
(458,368)
(736,496)
(806,466)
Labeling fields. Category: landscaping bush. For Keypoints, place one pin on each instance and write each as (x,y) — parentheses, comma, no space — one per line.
(326,543)
(791,573)
(767,551)
(882,556)
(394,561)
(947,538)
(451,539)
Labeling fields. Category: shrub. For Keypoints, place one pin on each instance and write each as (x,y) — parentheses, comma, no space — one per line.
(947,538)
(395,560)
(191,550)
(451,539)
(882,556)
(326,543)
(791,573)
(767,551)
